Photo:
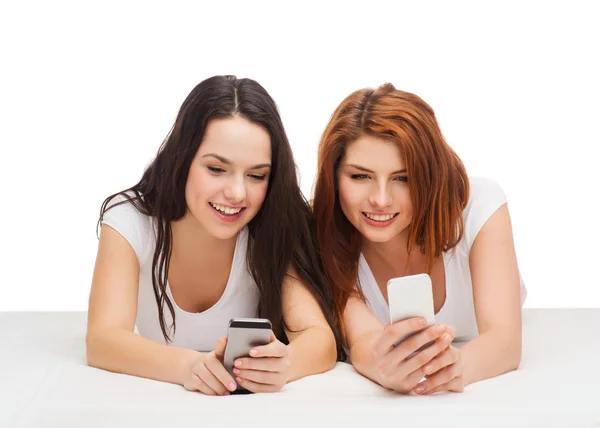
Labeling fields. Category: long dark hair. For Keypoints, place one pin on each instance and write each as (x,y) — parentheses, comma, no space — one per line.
(282,234)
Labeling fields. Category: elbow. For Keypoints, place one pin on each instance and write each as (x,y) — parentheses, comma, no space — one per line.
(512,353)
(330,353)
(332,357)
(515,356)
(93,349)
(327,363)
(318,356)
(509,347)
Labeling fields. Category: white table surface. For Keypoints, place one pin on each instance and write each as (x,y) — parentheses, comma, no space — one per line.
(45,382)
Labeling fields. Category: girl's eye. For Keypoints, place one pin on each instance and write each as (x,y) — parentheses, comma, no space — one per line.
(257,177)
(215,169)
(359,176)
(402,178)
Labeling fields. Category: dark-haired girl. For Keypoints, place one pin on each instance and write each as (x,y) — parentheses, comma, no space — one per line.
(216,228)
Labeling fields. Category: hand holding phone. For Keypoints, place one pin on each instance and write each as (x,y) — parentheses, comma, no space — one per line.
(207,374)
(400,368)
(259,362)
(411,340)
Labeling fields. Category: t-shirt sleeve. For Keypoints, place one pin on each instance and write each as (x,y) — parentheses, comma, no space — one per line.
(134,226)
(485,197)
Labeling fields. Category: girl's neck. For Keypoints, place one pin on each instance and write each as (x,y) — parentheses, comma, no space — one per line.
(392,254)
(192,241)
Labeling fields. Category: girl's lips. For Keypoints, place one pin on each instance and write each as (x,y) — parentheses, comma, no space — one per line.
(227,218)
(377,223)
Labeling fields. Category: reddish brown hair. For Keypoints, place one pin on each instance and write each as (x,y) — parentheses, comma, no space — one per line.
(438,183)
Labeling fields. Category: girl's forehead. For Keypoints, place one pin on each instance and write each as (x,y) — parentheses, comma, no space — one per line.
(237,141)
(374,153)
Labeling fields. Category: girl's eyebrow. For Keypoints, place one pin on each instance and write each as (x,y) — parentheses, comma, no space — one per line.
(362,168)
(228,162)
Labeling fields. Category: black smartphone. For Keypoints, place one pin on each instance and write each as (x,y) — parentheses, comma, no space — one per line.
(244,334)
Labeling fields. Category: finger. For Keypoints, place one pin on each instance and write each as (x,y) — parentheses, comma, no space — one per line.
(392,333)
(440,347)
(409,382)
(267,364)
(422,340)
(210,379)
(451,330)
(203,387)
(265,378)
(441,341)
(273,349)
(396,360)
(440,388)
(443,376)
(456,384)
(220,348)
(442,360)
(257,387)
(216,367)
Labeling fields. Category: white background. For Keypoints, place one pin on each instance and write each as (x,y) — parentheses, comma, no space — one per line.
(88,91)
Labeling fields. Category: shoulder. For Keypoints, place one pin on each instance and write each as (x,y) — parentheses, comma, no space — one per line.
(485,197)
(484,189)
(124,217)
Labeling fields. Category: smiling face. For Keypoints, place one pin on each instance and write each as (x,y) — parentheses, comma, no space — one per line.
(373,189)
(229,175)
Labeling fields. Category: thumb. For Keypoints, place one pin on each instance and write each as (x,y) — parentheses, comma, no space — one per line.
(452,331)
(220,347)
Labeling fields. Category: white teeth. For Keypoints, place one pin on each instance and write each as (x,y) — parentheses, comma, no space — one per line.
(225,210)
(380,217)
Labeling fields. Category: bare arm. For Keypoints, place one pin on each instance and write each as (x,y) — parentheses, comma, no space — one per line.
(110,341)
(496,294)
(312,343)
(362,331)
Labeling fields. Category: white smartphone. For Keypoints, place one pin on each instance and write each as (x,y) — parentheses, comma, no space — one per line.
(409,297)
(244,334)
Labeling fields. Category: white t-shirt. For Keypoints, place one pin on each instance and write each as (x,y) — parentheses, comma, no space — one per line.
(458,310)
(197,331)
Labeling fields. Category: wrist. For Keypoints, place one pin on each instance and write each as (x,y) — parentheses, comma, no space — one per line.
(366,363)
(290,373)
(185,361)
(466,375)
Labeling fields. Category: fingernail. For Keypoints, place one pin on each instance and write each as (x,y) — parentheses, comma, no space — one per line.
(238,363)
(428,369)
(254,352)
(227,393)
(232,386)
(446,337)
(238,380)
(420,389)
(422,321)
(236,371)
(441,328)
